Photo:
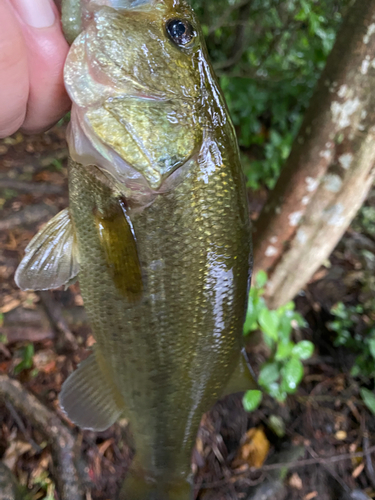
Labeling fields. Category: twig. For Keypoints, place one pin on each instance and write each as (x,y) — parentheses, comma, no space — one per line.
(370,473)
(314,461)
(21,426)
(31,187)
(222,19)
(9,487)
(62,441)
(240,43)
(65,338)
(27,216)
(341,482)
(294,464)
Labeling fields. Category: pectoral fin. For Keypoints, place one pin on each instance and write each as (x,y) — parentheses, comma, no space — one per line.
(51,256)
(118,242)
(241,379)
(88,399)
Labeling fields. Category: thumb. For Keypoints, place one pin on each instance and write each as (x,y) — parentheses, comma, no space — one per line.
(46,52)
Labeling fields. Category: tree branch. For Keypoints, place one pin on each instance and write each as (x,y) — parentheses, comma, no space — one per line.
(62,441)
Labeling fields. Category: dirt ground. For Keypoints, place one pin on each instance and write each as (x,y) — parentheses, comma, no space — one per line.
(322,426)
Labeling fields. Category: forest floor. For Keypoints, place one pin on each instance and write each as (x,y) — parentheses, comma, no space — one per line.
(318,444)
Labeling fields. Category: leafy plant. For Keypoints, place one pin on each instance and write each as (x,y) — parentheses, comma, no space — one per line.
(368,398)
(353,333)
(281,374)
(27,354)
(45,483)
(365,220)
(358,336)
(268,55)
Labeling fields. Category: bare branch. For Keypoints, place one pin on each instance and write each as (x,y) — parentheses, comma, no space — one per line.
(62,441)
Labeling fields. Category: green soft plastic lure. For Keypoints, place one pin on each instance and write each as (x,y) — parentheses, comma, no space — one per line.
(157,232)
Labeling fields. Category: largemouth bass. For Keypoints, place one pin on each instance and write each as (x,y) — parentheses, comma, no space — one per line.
(157,231)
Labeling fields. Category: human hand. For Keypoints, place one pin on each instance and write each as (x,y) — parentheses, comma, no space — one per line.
(32,56)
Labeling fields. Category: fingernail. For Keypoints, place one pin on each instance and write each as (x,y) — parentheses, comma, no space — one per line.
(36,13)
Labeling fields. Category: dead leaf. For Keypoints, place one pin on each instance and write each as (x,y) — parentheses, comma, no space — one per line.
(42,466)
(9,304)
(15,450)
(45,361)
(103,447)
(78,300)
(199,446)
(341,435)
(254,449)
(90,341)
(358,470)
(295,481)
(311,495)
(5,366)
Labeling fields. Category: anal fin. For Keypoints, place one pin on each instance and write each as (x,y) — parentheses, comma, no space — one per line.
(241,379)
(88,398)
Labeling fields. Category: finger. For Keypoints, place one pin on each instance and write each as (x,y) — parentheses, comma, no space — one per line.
(47,50)
(14,82)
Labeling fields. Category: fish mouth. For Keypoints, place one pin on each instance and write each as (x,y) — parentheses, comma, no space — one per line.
(129,4)
(124,4)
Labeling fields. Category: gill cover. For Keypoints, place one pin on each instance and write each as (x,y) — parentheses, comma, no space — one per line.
(136,94)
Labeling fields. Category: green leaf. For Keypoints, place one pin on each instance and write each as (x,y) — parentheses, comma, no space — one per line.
(255,305)
(268,374)
(285,328)
(269,323)
(277,392)
(284,350)
(261,279)
(251,400)
(292,375)
(277,425)
(27,359)
(371,345)
(369,399)
(303,350)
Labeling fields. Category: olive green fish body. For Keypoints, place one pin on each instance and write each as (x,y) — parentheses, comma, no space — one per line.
(171,353)
(157,232)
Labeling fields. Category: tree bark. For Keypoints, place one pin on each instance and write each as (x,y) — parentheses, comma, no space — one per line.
(331,166)
(9,487)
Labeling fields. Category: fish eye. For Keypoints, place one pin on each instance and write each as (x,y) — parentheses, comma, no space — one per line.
(180,31)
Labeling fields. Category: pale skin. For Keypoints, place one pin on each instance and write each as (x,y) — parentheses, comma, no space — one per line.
(32,55)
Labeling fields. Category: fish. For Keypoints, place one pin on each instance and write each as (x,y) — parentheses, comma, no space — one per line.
(157,232)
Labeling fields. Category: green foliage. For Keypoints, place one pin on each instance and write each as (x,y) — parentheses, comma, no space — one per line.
(268,56)
(369,399)
(57,164)
(358,337)
(365,220)
(352,333)
(252,400)
(43,482)
(27,354)
(281,374)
